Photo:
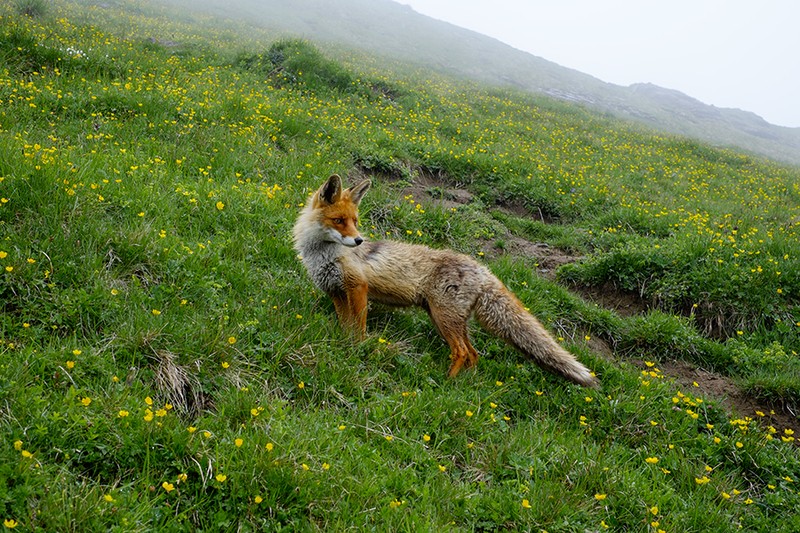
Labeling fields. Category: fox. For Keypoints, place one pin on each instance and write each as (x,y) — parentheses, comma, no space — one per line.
(451,287)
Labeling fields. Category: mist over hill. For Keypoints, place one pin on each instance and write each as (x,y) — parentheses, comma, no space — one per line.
(394,30)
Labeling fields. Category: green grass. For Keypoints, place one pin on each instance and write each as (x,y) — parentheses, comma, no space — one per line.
(165,364)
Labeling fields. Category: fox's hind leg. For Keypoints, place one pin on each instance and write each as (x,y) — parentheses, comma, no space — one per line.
(453,328)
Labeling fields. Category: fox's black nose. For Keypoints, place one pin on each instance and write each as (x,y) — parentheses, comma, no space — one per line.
(358,240)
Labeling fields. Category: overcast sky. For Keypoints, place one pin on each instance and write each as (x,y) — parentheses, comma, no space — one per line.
(729,53)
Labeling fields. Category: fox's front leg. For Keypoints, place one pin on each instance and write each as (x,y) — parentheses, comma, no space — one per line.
(342,310)
(357,299)
(351,308)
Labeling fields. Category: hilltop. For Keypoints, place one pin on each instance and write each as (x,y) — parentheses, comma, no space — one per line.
(166,364)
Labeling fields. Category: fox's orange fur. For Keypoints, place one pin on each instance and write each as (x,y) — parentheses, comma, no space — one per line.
(450,286)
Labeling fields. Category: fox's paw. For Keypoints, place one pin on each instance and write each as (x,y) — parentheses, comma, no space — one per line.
(455,368)
(457,363)
(460,362)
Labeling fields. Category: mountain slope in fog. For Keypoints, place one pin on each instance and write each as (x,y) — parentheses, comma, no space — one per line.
(391,29)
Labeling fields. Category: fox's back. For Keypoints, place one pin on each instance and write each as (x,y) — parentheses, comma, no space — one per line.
(398,273)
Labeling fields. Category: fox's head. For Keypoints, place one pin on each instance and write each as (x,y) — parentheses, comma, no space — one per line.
(339,210)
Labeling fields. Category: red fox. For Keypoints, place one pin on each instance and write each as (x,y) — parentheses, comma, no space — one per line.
(450,286)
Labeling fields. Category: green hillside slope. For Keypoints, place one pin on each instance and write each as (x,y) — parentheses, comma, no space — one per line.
(165,363)
(393,30)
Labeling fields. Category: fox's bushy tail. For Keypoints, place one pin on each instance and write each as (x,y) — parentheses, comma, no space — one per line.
(500,312)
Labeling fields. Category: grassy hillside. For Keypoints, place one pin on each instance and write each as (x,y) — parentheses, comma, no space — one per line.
(165,364)
(396,31)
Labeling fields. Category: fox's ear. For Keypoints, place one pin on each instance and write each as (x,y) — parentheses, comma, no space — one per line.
(357,192)
(331,190)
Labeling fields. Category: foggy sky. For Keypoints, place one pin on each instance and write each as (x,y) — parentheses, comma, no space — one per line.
(729,53)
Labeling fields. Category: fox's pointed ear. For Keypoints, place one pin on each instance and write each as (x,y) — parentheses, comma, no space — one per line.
(331,190)
(357,192)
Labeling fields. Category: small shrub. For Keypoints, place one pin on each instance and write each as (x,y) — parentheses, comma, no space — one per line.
(632,264)
(661,334)
(298,62)
(31,8)
(378,162)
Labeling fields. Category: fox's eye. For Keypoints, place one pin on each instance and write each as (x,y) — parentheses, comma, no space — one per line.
(338,221)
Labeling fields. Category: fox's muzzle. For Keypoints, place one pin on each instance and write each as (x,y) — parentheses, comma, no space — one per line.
(352,242)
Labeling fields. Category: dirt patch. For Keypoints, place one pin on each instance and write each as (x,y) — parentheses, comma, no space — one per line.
(600,347)
(546,257)
(433,187)
(166,43)
(520,210)
(729,395)
(437,195)
(609,296)
(436,190)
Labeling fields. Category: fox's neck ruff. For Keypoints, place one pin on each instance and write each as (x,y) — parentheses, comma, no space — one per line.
(318,251)
(320,256)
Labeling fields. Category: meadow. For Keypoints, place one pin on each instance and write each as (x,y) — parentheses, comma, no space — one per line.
(165,363)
